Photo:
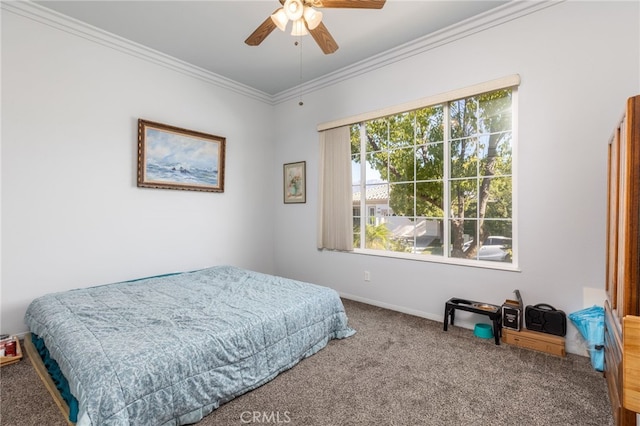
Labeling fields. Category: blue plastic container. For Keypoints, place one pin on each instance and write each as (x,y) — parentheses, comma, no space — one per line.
(483,331)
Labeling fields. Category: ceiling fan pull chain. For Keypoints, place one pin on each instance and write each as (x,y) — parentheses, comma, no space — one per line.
(300,103)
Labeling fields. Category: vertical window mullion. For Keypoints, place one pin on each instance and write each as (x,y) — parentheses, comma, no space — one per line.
(479,176)
(447,181)
(363,185)
(415,182)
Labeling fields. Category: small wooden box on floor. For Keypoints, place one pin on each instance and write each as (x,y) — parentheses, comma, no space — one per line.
(537,341)
(8,360)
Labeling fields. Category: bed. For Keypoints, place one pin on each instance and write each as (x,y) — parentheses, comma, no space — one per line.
(168,350)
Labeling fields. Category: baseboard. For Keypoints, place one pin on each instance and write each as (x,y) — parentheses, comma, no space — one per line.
(392,307)
(573,342)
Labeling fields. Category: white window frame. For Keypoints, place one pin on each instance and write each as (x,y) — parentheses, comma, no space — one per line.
(509,82)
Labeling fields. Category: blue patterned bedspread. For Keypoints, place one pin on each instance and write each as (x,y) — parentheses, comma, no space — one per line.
(169,350)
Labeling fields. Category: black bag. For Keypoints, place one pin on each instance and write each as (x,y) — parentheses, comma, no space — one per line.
(545,318)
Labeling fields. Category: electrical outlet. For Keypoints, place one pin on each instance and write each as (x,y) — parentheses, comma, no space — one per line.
(367,276)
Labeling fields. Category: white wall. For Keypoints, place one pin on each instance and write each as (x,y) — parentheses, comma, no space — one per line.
(72,215)
(578,62)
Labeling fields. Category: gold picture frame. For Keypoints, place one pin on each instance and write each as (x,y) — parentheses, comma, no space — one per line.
(170,157)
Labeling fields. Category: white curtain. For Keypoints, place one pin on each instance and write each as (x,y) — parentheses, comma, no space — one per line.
(335,215)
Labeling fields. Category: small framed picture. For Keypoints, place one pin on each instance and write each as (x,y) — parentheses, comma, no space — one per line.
(295,183)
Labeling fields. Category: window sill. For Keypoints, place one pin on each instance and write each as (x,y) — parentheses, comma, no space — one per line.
(483,264)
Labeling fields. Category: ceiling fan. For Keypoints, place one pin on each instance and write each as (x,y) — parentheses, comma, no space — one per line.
(306,18)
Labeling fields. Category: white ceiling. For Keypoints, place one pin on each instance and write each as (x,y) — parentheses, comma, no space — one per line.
(210,34)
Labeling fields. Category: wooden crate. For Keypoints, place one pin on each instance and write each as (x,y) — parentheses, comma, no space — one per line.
(8,360)
(537,341)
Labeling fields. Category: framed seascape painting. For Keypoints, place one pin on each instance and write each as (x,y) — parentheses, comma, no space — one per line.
(295,185)
(174,158)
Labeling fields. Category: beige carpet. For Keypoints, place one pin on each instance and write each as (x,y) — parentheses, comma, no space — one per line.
(396,370)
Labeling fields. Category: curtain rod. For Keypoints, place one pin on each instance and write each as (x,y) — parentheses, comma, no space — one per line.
(476,89)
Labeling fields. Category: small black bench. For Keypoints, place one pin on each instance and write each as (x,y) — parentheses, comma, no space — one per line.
(492,311)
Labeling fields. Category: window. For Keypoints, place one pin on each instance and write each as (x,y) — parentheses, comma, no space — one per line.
(437,181)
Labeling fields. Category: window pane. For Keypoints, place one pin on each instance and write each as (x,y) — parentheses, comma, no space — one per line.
(495,153)
(497,229)
(462,238)
(411,235)
(377,167)
(497,245)
(428,236)
(462,114)
(429,124)
(499,202)
(378,236)
(401,130)
(377,194)
(464,198)
(401,165)
(402,199)
(356,229)
(403,233)
(355,170)
(464,158)
(357,196)
(430,199)
(355,139)
(429,161)
(377,134)
(494,111)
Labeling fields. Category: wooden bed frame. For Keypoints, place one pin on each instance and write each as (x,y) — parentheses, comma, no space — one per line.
(42,372)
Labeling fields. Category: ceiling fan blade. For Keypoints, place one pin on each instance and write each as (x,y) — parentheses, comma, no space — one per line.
(354,4)
(261,32)
(326,42)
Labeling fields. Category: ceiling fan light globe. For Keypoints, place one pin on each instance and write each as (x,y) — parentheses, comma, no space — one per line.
(312,16)
(280,19)
(294,9)
(299,28)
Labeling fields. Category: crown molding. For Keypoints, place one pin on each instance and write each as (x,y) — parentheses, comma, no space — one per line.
(83,30)
(508,12)
(513,10)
